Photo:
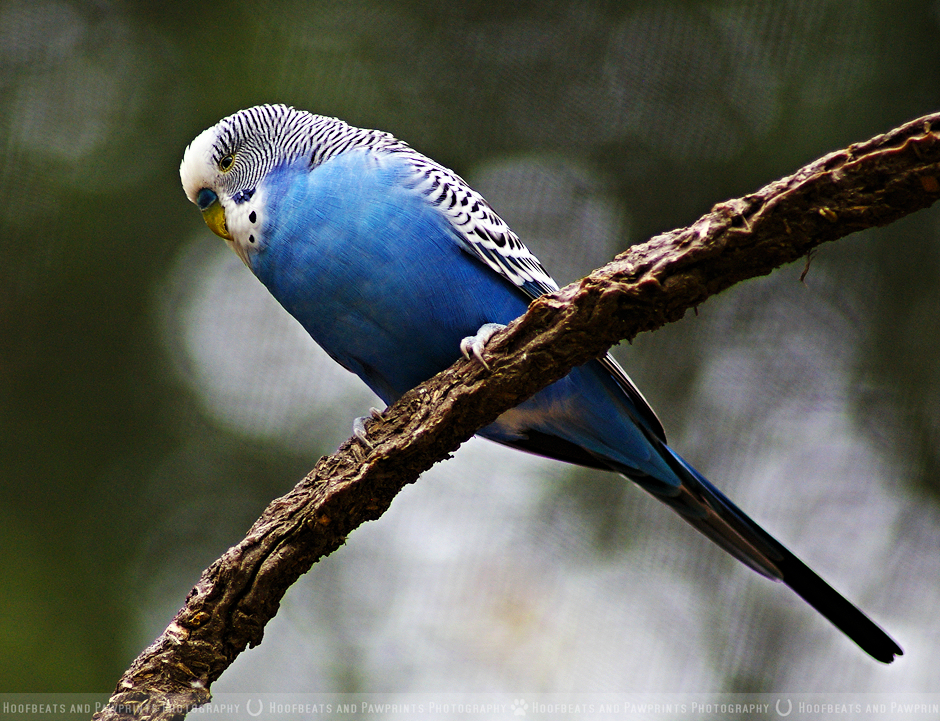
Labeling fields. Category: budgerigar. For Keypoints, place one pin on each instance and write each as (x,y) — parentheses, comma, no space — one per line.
(394,265)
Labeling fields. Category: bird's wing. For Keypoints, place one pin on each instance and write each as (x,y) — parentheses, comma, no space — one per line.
(482,233)
(489,238)
(642,406)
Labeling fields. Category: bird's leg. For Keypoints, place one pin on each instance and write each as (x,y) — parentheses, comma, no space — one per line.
(359,427)
(474,344)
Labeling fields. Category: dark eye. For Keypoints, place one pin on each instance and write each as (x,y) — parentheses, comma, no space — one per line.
(226,162)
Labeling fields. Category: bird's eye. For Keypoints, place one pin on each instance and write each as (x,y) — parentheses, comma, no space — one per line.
(226,162)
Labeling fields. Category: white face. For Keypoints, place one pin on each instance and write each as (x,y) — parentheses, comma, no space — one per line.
(199,170)
(215,175)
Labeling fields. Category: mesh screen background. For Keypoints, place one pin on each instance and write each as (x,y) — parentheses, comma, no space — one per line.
(154,399)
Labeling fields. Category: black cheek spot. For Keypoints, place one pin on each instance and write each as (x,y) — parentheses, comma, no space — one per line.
(253,217)
(251,239)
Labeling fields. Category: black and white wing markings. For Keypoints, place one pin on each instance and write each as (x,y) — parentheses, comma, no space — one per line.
(484,234)
(489,238)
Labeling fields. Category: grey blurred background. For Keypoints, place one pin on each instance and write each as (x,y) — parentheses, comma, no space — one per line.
(153,399)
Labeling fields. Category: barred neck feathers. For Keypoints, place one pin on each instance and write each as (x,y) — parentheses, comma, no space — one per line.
(259,138)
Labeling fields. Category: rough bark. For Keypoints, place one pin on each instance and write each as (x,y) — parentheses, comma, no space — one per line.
(865,185)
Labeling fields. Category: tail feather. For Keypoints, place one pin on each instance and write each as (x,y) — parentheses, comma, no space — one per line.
(712,513)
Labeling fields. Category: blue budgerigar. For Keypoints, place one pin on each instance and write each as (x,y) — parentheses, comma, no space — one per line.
(394,265)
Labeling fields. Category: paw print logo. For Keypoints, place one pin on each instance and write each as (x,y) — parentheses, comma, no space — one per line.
(519,707)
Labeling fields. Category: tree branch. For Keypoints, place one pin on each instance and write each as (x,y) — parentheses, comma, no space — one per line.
(865,185)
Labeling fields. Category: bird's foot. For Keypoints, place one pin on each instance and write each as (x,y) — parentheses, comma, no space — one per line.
(474,344)
(359,427)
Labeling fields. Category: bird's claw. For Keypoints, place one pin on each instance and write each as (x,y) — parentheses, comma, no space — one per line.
(474,344)
(359,427)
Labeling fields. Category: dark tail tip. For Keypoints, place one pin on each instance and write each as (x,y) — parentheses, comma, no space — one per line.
(846,617)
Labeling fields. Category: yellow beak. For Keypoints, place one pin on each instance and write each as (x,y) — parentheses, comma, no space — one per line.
(214,216)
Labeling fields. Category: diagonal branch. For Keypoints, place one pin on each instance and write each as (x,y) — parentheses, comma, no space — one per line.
(865,185)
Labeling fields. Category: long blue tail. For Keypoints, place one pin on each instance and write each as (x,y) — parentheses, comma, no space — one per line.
(712,513)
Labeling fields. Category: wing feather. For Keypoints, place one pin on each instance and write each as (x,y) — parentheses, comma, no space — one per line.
(488,237)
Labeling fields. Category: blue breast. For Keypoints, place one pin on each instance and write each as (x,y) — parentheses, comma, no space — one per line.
(373,271)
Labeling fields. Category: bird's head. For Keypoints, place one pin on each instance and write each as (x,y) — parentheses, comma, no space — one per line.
(223,167)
